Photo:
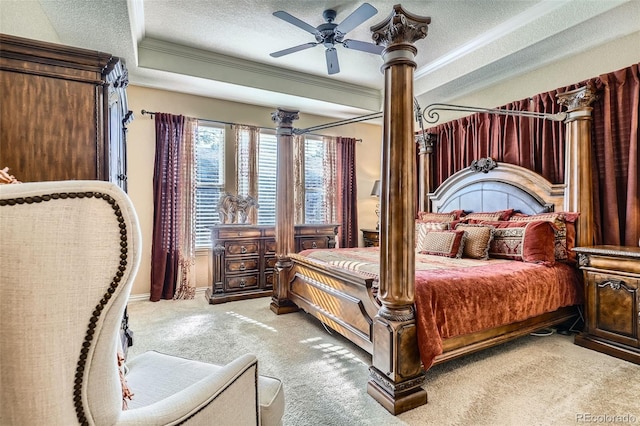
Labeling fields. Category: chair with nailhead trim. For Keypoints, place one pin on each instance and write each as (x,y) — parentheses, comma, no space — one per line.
(68,255)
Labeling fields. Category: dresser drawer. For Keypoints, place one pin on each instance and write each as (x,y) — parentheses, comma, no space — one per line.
(234,248)
(315,230)
(314,243)
(269,279)
(238,233)
(243,282)
(270,262)
(270,246)
(241,265)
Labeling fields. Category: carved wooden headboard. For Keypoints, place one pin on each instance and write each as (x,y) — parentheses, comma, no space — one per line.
(489,186)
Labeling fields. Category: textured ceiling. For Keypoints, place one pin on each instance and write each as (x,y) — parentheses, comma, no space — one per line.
(221,48)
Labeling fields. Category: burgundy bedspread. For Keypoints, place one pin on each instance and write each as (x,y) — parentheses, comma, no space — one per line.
(460,296)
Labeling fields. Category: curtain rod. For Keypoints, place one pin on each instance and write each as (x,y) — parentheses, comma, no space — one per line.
(430,112)
(152,113)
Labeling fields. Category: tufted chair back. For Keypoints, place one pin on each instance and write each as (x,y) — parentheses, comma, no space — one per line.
(68,254)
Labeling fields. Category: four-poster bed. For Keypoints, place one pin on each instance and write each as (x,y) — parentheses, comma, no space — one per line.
(381,316)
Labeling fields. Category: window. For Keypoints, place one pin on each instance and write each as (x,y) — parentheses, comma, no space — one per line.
(209,179)
(315,203)
(313,178)
(267,160)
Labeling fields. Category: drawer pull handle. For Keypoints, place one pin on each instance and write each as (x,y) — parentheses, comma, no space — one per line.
(243,249)
(243,266)
(314,245)
(242,283)
(615,284)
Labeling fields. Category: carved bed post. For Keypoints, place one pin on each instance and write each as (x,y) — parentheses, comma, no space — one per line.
(396,373)
(285,225)
(425,143)
(578,165)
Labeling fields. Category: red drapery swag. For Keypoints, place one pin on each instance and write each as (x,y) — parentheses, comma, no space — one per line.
(347,210)
(539,145)
(164,250)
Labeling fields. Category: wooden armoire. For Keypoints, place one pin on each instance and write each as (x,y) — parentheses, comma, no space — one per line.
(63,115)
(63,112)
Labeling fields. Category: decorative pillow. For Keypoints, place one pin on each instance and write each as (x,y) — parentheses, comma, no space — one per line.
(422,228)
(528,241)
(436,217)
(564,232)
(496,215)
(441,216)
(126,392)
(448,243)
(478,238)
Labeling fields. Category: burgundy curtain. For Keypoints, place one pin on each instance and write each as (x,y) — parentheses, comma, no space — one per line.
(616,156)
(539,145)
(516,140)
(164,250)
(347,195)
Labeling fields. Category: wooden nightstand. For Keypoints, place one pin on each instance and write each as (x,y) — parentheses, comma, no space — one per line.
(370,237)
(612,300)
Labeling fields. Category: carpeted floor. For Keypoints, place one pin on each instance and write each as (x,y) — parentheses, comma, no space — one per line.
(530,381)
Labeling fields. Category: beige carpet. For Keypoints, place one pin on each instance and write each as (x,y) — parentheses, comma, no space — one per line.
(530,381)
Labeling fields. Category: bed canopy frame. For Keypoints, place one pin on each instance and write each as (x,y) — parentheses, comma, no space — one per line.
(396,375)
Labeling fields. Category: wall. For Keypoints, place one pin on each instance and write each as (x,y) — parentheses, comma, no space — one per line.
(141,152)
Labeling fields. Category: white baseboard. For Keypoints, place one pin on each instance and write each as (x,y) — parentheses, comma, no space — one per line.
(146,296)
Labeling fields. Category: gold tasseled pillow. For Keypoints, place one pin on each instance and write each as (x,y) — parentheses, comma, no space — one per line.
(478,239)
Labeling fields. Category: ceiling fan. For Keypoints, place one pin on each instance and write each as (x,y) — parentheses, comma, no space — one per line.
(329,34)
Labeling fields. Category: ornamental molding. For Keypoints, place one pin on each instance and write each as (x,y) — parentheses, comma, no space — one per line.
(577,99)
(425,142)
(284,118)
(400,27)
(483,165)
(393,388)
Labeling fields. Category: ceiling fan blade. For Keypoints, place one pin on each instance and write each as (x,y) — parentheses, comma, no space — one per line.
(292,50)
(363,46)
(332,61)
(295,21)
(357,17)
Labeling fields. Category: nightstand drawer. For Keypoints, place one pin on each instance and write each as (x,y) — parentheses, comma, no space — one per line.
(612,300)
(243,282)
(241,247)
(241,265)
(370,237)
(614,311)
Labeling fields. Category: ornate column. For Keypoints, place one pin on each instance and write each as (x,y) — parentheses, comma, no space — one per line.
(578,164)
(285,210)
(425,143)
(396,373)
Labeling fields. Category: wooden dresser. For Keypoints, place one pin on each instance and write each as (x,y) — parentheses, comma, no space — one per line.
(243,257)
(612,300)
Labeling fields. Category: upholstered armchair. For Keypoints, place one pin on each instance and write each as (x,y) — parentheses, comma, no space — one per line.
(68,254)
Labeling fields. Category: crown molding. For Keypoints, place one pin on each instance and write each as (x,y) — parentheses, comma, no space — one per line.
(174,58)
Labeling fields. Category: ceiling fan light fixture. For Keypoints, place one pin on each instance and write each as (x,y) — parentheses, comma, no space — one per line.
(329,34)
